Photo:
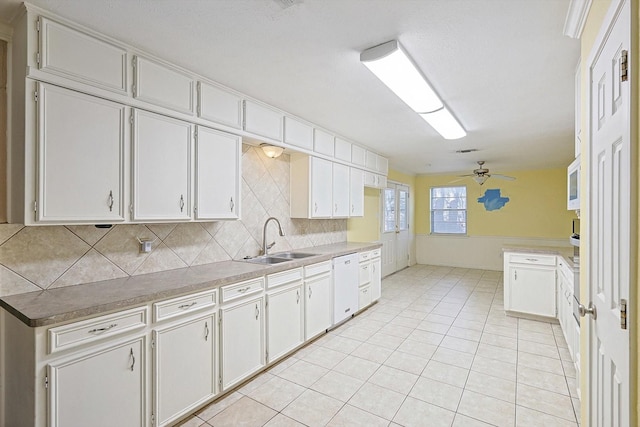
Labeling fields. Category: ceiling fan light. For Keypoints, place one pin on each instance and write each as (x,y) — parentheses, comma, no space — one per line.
(271,151)
(391,64)
(480,179)
(445,124)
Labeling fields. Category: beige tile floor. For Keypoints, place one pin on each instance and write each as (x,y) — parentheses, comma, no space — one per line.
(436,350)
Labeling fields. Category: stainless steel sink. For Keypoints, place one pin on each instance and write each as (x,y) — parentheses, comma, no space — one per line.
(267,260)
(292,255)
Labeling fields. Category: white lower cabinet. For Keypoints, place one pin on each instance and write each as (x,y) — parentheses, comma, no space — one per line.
(184,366)
(242,330)
(530,284)
(376,276)
(285,314)
(318,299)
(100,388)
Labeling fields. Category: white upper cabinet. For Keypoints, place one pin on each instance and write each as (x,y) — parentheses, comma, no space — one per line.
(81,57)
(341,185)
(371,160)
(219,105)
(311,187)
(323,142)
(80,163)
(343,150)
(217,175)
(321,188)
(262,120)
(161,168)
(358,155)
(382,165)
(298,133)
(356,192)
(163,86)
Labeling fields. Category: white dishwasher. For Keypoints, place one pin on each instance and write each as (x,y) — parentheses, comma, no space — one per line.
(345,287)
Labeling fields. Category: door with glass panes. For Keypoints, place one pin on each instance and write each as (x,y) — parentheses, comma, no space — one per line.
(395,228)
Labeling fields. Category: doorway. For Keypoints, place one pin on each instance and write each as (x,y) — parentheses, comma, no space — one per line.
(395,228)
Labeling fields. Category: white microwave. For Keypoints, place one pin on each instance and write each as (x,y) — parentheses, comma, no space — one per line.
(573,185)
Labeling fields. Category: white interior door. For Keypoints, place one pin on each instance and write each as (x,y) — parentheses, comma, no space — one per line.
(609,223)
(395,228)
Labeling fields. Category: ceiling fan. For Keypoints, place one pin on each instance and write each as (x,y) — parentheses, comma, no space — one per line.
(481,174)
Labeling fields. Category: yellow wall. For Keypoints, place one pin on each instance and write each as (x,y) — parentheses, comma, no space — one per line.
(367,228)
(537,204)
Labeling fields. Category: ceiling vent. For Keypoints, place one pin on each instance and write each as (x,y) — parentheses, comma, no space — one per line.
(287,3)
(468,150)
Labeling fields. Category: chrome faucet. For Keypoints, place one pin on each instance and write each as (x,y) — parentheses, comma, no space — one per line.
(265,247)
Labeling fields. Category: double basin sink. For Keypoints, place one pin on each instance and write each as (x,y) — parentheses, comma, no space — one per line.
(278,258)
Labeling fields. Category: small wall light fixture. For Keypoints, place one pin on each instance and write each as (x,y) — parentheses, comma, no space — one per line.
(272,151)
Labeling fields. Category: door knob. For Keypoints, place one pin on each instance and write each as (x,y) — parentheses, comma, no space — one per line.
(588,310)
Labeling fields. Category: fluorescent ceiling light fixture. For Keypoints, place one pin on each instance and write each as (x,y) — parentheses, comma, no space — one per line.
(391,64)
(272,151)
(445,124)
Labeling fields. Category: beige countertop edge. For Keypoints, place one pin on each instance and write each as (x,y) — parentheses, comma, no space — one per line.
(49,307)
(566,252)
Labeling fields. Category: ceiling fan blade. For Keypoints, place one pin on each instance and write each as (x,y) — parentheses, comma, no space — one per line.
(506,177)
(462,178)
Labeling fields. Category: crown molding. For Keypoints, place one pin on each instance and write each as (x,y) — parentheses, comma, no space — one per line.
(576,18)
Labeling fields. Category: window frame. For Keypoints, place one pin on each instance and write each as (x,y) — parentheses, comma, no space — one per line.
(432,210)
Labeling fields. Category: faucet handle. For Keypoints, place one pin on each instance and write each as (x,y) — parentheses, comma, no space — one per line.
(270,245)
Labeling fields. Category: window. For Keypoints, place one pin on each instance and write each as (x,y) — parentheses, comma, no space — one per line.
(389,210)
(449,210)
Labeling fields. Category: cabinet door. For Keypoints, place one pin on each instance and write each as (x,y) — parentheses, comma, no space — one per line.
(219,105)
(532,290)
(184,367)
(341,185)
(298,133)
(376,279)
(106,388)
(262,120)
(161,168)
(371,160)
(321,188)
(217,175)
(356,192)
(162,85)
(323,142)
(364,297)
(343,149)
(319,305)
(80,163)
(358,155)
(285,315)
(243,348)
(79,56)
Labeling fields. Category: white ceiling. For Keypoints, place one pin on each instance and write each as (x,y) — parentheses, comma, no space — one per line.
(502,66)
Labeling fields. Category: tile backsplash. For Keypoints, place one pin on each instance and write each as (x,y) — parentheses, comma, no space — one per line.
(36,258)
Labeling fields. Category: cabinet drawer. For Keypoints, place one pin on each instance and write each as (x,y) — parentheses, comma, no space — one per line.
(365,274)
(535,259)
(163,86)
(376,253)
(284,277)
(315,269)
(242,289)
(178,306)
(364,297)
(365,256)
(87,331)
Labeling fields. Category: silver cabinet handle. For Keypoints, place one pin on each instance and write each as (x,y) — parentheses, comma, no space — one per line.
(231,204)
(110,201)
(366,267)
(186,306)
(132,358)
(298,297)
(364,291)
(310,292)
(515,274)
(181,203)
(532,259)
(373,267)
(257,311)
(243,290)
(106,328)
(347,262)
(316,207)
(206,331)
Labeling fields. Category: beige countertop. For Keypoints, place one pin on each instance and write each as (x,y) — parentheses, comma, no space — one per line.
(53,306)
(566,252)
